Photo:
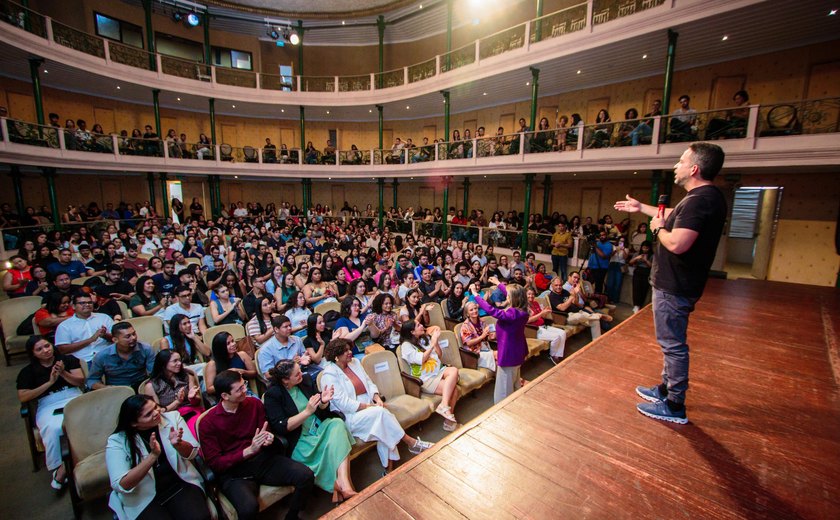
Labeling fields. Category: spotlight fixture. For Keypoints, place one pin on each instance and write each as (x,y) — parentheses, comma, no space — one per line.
(192,20)
(272,33)
(177,16)
(294,39)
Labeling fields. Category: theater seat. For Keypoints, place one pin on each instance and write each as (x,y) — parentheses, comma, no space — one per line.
(12,313)
(383,368)
(432,400)
(469,379)
(88,421)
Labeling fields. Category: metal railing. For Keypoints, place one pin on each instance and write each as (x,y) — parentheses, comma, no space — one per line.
(553,25)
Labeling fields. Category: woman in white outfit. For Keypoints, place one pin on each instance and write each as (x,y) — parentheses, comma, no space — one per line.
(357,397)
(52,380)
(554,335)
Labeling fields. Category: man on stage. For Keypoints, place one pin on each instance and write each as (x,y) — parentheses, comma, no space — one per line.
(688,237)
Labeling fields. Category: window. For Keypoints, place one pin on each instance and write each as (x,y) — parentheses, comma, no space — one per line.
(286,77)
(179,47)
(232,58)
(118,30)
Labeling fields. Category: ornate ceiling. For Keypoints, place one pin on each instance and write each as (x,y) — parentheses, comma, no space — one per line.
(313,8)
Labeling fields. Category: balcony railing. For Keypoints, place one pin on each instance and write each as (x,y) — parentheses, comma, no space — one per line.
(743,124)
(554,25)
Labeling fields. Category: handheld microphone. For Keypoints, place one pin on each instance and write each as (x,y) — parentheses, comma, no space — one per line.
(663,203)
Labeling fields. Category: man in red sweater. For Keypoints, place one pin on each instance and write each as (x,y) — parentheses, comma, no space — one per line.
(239,447)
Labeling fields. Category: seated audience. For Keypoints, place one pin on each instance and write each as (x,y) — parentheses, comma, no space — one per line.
(554,335)
(353,327)
(476,336)
(283,345)
(48,318)
(317,436)
(183,339)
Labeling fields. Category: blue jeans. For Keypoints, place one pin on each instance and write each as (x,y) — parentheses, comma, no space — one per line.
(670,319)
(643,130)
(560,264)
(614,279)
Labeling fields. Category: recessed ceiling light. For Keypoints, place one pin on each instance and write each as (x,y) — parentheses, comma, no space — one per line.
(724,38)
(233,106)
(421,6)
(236,176)
(118,87)
(179,99)
(328,111)
(329,178)
(485,176)
(412,178)
(574,175)
(484,94)
(830,13)
(407,107)
(283,110)
(527,83)
(370,111)
(644,56)
(46,71)
(635,173)
(342,22)
(578,72)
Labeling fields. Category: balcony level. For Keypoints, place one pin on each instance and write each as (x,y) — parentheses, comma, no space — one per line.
(788,135)
(604,43)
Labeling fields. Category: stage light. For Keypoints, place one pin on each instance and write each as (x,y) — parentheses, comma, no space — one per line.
(192,20)
(273,33)
(177,16)
(294,39)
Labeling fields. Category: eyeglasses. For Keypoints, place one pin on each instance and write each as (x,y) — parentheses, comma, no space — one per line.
(84,303)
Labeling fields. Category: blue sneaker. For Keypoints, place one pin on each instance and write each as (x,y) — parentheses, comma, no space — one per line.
(660,411)
(652,394)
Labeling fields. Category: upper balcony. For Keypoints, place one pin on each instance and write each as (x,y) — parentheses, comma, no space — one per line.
(795,135)
(601,37)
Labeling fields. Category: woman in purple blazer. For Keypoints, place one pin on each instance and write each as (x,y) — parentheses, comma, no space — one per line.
(510,336)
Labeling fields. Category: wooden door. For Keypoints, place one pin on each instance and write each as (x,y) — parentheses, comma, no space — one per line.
(593,106)
(106,118)
(764,233)
(723,88)
(590,203)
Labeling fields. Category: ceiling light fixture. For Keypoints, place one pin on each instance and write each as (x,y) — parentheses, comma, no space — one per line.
(46,71)
(725,37)
(328,111)
(407,107)
(233,106)
(484,94)
(342,22)
(294,39)
(118,87)
(578,72)
(830,13)
(179,99)
(283,110)
(527,83)
(644,56)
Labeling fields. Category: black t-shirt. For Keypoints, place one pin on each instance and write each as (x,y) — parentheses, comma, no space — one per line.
(703,210)
(35,374)
(105,290)
(249,302)
(370,284)
(426,289)
(555,299)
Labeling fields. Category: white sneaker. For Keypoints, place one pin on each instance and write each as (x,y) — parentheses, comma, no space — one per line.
(420,446)
(635,309)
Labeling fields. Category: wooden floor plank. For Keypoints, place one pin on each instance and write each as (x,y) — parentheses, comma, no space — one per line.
(763,441)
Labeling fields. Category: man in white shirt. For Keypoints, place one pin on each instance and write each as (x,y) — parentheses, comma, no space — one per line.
(86,332)
(283,345)
(193,311)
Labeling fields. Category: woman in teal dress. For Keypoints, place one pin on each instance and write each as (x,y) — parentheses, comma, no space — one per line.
(317,437)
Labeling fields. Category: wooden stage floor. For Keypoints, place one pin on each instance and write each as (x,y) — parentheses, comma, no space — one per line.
(763,438)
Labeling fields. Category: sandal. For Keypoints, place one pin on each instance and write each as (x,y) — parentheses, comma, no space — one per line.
(450,426)
(56,484)
(444,411)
